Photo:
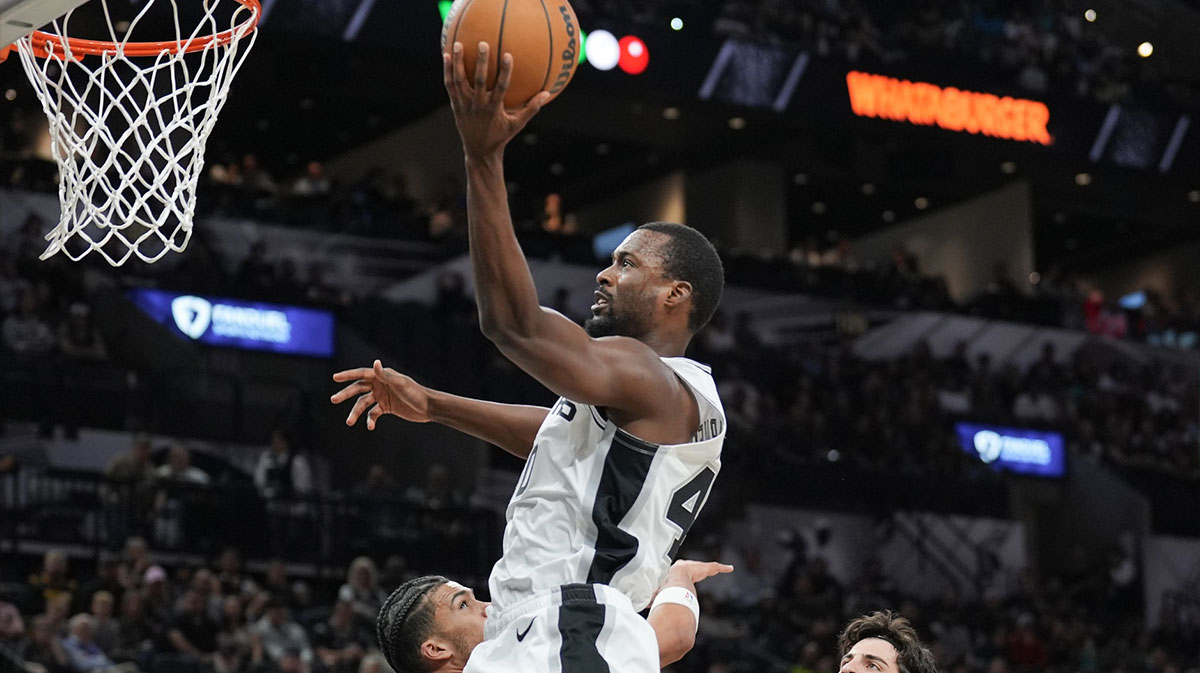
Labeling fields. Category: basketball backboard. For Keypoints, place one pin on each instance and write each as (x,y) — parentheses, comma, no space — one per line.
(18,18)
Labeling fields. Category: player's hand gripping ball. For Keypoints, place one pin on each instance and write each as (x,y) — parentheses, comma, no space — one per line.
(542,36)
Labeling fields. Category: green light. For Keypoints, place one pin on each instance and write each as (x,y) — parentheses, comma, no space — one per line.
(582,46)
(444,7)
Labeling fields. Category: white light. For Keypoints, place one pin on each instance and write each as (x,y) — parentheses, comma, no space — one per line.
(636,49)
(11,94)
(1008,167)
(1194,196)
(1145,49)
(602,50)
(1035,278)
(737,123)
(677,23)
(868,188)
(921,203)
(671,113)
(1090,15)
(1083,179)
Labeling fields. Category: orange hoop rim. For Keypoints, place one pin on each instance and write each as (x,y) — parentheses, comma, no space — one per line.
(80,47)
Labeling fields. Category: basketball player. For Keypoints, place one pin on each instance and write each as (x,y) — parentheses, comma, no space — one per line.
(883,642)
(618,469)
(433,624)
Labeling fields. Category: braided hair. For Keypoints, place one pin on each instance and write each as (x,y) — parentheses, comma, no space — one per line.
(405,621)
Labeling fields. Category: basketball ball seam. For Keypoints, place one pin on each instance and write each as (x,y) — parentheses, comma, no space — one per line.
(550,33)
(500,37)
(462,15)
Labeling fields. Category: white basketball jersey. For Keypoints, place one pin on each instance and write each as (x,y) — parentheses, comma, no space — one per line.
(596,504)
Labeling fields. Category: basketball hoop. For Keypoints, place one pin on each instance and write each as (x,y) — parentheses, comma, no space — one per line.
(129,122)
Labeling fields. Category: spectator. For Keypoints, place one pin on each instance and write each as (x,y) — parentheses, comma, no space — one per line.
(105,629)
(82,651)
(179,469)
(26,333)
(276,584)
(78,338)
(12,627)
(437,493)
(108,578)
(192,632)
(362,590)
(134,636)
(53,581)
(44,648)
(281,473)
(341,641)
(314,183)
(282,638)
(229,574)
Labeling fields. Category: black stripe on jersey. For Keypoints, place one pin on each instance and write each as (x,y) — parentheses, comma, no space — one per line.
(580,620)
(597,417)
(625,469)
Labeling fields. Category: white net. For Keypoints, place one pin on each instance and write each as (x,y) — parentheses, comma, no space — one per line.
(129,122)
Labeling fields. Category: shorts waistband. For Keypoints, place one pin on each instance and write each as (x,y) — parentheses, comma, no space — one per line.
(567,593)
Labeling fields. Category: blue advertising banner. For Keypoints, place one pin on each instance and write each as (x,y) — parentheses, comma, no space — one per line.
(1020,450)
(235,323)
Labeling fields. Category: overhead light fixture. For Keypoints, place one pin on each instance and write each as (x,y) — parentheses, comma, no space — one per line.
(671,113)
(1008,167)
(868,188)
(1194,196)
(921,203)
(677,23)
(737,123)
(1145,49)
(1090,15)
(1083,179)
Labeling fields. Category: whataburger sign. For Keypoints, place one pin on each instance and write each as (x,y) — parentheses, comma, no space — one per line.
(952,109)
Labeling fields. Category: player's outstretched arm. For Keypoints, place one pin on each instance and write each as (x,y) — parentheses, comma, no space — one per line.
(675,624)
(381,390)
(619,373)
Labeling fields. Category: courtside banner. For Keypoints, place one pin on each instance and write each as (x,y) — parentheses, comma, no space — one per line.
(1021,450)
(236,323)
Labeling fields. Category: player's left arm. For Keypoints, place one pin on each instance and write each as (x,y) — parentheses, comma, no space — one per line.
(674,624)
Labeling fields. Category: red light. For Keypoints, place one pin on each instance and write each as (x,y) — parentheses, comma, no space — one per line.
(634,55)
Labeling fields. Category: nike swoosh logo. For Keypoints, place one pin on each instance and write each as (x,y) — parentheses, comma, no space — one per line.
(521,634)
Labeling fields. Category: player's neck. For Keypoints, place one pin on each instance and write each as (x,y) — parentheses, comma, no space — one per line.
(666,345)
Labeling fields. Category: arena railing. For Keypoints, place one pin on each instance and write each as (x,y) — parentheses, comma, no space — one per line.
(87,513)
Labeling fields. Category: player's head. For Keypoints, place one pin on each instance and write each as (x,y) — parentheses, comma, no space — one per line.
(883,642)
(661,274)
(428,622)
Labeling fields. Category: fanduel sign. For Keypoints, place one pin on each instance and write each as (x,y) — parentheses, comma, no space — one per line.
(1033,452)
(240,324)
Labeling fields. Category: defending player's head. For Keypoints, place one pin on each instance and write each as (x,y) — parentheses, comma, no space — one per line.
(429,623)
(663,276)
(883,642)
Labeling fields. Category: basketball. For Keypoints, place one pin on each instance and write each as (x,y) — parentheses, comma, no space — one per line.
(541,35)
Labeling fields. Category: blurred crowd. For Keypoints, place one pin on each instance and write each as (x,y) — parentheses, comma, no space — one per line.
(897,415)
(1036,45)
(1081,619)
(133,614)
(130,611)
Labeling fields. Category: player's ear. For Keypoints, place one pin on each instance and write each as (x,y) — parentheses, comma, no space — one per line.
(435,649)
(680,291)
